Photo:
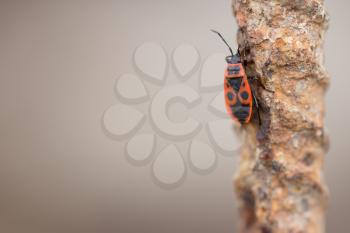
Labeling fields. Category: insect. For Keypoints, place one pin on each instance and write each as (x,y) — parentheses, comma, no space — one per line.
(239,96)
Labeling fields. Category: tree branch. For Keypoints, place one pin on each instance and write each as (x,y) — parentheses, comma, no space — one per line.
(280,180)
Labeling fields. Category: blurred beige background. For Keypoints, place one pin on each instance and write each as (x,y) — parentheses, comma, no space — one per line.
(58,170)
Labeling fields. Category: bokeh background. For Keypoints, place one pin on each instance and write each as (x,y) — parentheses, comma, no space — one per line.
(58,170)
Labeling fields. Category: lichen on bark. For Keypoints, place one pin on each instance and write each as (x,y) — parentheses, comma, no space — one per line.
(280,183)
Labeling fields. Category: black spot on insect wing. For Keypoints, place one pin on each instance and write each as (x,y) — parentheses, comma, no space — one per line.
(235,83)
(230,96)
(245,95)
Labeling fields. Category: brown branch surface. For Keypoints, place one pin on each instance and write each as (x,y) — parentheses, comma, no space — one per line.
(280,183)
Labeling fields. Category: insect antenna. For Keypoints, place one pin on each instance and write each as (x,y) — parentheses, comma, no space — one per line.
(223,40)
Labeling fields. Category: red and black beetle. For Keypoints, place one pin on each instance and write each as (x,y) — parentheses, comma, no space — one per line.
(239,96)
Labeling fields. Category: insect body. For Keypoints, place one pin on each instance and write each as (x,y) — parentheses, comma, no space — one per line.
(239,97)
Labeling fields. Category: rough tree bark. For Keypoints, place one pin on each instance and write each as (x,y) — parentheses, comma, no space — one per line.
(280,183)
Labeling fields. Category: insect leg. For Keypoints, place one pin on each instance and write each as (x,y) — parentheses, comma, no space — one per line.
(257,106)
(256,103)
